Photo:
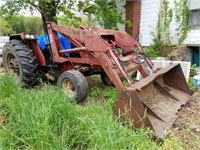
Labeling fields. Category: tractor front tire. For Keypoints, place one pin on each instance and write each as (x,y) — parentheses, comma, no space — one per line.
(74,84)
(105,79)
(20,62)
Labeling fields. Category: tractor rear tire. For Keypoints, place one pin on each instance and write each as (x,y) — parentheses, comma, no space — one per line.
(74,85)
(20,62)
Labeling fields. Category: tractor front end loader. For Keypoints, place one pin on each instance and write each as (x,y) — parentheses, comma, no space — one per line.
(151,102)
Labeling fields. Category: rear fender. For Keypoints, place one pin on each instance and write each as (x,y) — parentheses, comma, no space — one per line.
(32,41)
(20,36)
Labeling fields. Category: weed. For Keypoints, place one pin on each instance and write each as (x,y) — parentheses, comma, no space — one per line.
(191,84)
(171,143)
(45,119)
(8,87)
(155,49)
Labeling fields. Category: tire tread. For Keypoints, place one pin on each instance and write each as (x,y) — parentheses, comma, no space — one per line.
(26,58)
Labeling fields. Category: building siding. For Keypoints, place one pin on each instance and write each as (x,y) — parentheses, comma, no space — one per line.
(193,38)
(149,20)
(194,4)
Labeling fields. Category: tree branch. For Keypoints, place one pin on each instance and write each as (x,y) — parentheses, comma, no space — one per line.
(57,3)
(34,5)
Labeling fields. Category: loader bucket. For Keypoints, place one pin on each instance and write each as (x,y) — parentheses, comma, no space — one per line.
(154,101)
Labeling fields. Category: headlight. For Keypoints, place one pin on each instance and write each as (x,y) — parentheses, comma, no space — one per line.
(32,37)
(27,36)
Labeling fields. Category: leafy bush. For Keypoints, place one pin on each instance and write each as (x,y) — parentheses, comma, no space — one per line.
(155,49)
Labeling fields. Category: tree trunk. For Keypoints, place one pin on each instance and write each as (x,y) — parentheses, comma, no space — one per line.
(48,10)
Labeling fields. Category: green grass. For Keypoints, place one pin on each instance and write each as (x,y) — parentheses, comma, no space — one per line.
(45,119)
(172,143)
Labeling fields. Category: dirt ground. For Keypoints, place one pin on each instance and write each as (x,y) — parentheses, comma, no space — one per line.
(186,128)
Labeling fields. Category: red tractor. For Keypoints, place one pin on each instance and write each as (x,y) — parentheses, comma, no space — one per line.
(151,102)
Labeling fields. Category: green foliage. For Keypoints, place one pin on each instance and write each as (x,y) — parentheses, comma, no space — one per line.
(191,84)
(24,24)
(8,87)
(107,13)
(182,14)
(194,67)
(5,29)
(155,49)
(172,143)
(167,15)
(70,19)
(45,119)
(47,8)
(162,36)
(11,8)
(129,25)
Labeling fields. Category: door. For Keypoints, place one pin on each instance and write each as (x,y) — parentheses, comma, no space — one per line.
(195,56)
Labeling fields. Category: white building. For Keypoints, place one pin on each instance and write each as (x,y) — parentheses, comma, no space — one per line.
(150,11)
(193,38)
(149,20)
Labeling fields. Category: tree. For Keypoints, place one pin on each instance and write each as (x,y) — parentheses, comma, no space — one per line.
(107,12)
(5,29)
(70,19)
(47,8)
(24,24)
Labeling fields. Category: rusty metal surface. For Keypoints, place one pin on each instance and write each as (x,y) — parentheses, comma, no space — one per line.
(73,50)
(38,53)
(122,38)
(166,108)
(156,99)
(110,71)
(17,36)
(172,75)
(129,106)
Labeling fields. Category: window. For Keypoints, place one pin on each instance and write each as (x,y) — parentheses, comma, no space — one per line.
(194,19)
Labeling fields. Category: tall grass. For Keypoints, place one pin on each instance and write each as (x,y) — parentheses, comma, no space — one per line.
(46,119)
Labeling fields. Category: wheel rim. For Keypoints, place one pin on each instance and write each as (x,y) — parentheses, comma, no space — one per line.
(69,88)
(13,65)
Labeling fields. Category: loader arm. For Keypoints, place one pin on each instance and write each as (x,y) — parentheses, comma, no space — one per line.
(94,43)
(151,102)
